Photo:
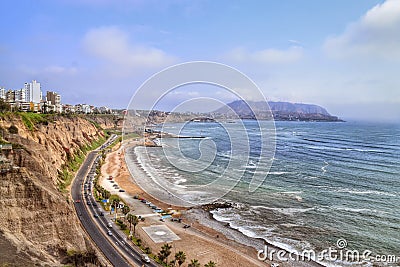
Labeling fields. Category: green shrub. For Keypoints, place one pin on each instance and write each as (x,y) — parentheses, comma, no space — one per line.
(75,161)
(31,119)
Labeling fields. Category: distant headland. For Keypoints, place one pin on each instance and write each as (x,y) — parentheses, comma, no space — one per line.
(281,111)
(240,109)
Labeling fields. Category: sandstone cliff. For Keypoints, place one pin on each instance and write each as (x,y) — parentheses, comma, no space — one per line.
(36,217)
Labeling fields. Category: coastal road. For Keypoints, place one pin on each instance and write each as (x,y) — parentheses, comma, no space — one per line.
(111,246)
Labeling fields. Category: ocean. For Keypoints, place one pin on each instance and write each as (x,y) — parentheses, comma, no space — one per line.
(327,181)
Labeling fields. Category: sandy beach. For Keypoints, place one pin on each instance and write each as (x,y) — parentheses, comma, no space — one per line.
(201,241)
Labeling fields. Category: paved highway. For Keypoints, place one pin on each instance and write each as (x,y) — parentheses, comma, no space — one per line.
(114,247)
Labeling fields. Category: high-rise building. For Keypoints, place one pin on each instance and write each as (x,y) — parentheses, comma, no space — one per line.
(10,96)
(27,87)
(20,95)
(33,92)
(2,92)
(53,97)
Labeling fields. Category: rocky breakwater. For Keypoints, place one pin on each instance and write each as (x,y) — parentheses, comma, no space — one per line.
(37,217)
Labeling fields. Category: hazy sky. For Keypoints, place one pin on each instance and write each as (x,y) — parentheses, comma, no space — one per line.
(343,55)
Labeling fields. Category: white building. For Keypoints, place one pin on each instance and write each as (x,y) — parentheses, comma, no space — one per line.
(104,110)
(3,92)
(68,108)
(83,108)
(33,92)
(20,95)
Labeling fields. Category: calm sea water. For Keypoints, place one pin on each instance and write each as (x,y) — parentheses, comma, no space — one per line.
(327,181)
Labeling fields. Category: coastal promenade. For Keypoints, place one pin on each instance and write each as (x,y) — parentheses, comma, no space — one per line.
(114,248)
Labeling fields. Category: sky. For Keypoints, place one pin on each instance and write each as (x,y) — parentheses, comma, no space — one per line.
(343,55)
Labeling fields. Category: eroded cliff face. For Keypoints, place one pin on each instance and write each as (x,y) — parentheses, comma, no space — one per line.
(35,217)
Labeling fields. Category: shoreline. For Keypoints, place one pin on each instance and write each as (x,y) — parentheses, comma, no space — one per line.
(233,242)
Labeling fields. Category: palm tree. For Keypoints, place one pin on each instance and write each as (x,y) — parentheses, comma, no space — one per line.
(164,252)
(194,263)
(126,210)
(135,221)
(106,194)
(210,264)
(147,250)
(180,257)
(129,218)
(115,203)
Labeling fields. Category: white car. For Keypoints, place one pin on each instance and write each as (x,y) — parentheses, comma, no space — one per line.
(145,258)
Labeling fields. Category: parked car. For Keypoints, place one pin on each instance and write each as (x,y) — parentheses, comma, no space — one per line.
(121,190)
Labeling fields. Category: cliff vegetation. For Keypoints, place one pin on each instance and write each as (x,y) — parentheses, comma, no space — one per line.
(39,156)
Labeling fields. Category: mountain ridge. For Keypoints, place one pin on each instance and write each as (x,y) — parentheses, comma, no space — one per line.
(279,110)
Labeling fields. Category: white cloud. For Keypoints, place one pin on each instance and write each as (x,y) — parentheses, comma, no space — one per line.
(295,42)
(267,56)
(114,46)
(374,35)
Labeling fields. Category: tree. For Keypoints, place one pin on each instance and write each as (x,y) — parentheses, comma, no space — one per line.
(129,218)
(4,106)
(91,257)
(164,252)
(210,264)
(126,210)
(180,257)
(106,194)
(194,263)
(114,203)
(135,221)
(147,250)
